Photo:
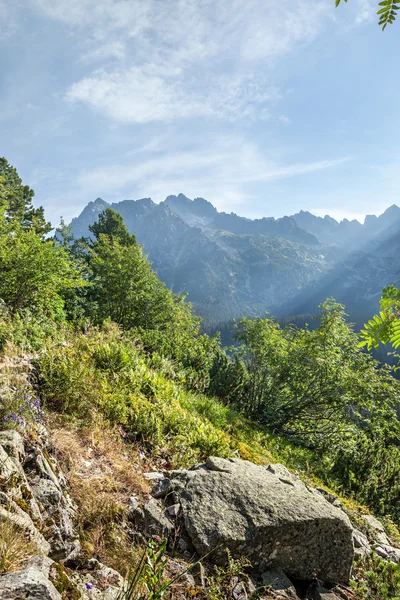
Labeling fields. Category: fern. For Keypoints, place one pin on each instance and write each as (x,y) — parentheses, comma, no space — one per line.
(387,13)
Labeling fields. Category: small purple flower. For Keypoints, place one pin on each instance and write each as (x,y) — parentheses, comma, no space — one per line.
(89,586)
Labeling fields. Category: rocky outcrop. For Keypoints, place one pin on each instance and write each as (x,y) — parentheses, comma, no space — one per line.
(28,583)
(266,514)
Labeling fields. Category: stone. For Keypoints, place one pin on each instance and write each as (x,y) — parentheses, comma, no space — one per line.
(42,563)
(317,592)
(272,519)
(173,510)
(161,488)
(361,543)
(9,472)
(393,554)
(47,493)
(381,551)
(105,577)
(46,470)
(175,569)
(239,591)
(276,580)
(151,520)
(29,583)
(22,521)
(377,529)
(154,476)
(13,444)
(284,474)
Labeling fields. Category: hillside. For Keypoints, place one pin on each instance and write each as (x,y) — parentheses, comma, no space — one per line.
(140,460)
(232,266)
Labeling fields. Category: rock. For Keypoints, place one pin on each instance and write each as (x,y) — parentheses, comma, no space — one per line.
(284,474)
(13,444)
(317,592)
(154,476)
(151,520)
(9,472)
(380,550)
(175,569)
(47,493)
(29,583)
(46,470)
(239,591)
(173,511)
(43,563)
(361,543)
(276,580)
(106,577)
(22,521)
(161,488)
(272,519)
(377,529)
(393,554)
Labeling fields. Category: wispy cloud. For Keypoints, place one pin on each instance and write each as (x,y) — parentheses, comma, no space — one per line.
(184,59)
(224,173)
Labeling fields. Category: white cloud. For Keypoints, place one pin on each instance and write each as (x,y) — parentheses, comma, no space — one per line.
(366,11)
(160,93)
(184,59)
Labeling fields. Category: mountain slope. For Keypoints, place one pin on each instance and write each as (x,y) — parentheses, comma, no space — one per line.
(232,266)
(225,274)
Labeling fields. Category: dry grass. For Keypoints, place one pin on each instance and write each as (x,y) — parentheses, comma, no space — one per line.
(100,469)
(15,547)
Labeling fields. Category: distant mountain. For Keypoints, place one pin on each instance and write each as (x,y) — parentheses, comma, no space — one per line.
(201,213)
(348,233)
(232,266)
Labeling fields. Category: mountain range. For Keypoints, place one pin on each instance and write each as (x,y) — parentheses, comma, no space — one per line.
(232,266)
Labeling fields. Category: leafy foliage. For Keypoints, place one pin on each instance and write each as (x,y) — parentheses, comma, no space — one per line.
(375,578)
(387,13)
(385,327)
(314,385)
(16,201)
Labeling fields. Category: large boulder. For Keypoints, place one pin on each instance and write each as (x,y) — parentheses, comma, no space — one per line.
(29,583)
(266,514)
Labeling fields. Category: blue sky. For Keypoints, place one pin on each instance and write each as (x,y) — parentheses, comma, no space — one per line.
(264,107)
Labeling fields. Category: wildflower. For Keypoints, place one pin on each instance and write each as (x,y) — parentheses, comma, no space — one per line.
(89,586)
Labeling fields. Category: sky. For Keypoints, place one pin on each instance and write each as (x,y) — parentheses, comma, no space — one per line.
(264,107)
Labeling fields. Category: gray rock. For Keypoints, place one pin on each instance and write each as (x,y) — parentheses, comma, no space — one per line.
(9,471)
(30,583)
(13,444)
(276,580)
(22,521)
(154,476)
(161,488)
(46,470)
(173,511)
(284,474)
(361,543)
(175,569)
(42,563)
(47,493)
(244,507)
(151,520)
(381,551)
(317,592)
(239,591)
(377,529)
(393,554)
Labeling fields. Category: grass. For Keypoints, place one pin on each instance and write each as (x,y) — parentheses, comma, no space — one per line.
(15,548)
(101,475)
